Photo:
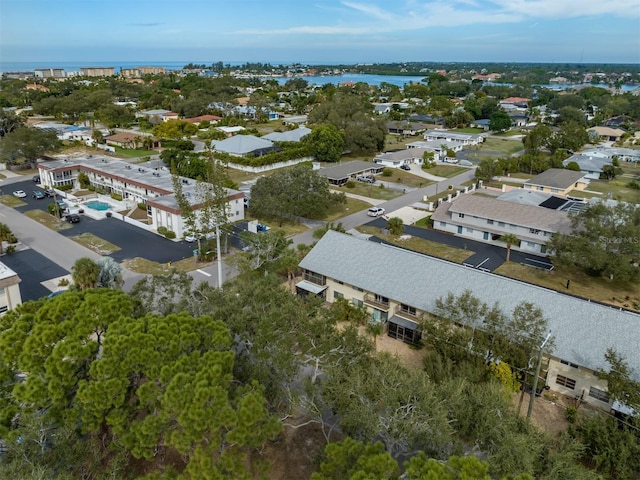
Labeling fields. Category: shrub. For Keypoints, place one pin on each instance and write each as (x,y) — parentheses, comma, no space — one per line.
(91,188)
(116,196)
(63,282)
(633,185)
(162,230)
(386,172)
(65,188)
(571,413)
(350,184)
(10,249)
(12,239)
(170,234)
(142,206)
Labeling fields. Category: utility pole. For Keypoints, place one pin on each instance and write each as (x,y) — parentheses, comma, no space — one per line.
(535,379)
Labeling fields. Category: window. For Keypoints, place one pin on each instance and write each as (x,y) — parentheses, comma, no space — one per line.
(490,222)
(539,188)
(3,308)
(339,282)
(535,231)
(357,289)
(337,295)
(501,224)
(512,226)
(461,215)
(469,230)
(408,309)
(531,244)
(237,212)
(566,362)
(566,381)
(443,224)
(357,302)
(598,394)
(380,299)
(313,277)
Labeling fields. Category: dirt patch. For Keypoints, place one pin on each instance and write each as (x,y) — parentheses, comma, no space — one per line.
(411,357)
(548,413)
(296,453)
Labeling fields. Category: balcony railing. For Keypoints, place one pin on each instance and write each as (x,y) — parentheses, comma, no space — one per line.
(376,302)
(418,316)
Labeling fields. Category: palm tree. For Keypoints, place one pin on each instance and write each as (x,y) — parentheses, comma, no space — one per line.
(395,226)
(509,239)
(5,234)
(374,329)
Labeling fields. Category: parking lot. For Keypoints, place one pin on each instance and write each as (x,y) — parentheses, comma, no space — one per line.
(132,241)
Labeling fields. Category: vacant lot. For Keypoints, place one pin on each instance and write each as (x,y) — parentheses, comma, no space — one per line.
(96,244)
(616,188)
(501,145)
(47,220)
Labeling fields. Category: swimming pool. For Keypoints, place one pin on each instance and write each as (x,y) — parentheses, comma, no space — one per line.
(97,205)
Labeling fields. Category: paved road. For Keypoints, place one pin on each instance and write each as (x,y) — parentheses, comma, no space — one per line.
(486,256)
(411,197)
(33,269)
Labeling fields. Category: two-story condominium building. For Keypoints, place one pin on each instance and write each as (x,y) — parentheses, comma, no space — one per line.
(488,219)
(10,296)
(97,71)
(399,288)
(137,184)
(453,137)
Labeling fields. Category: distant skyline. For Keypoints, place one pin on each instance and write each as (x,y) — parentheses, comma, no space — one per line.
(320,31)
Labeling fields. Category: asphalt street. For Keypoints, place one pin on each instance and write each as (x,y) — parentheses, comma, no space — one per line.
(33,269)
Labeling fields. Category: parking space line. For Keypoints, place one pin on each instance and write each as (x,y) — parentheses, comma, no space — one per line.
(204,273)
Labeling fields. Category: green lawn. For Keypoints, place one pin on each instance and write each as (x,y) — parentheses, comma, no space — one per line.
(11,201)
(134,153)
(446,171)
(617,188)
(47,220)
(353,205)
(96,244)
(370,190)
(501,145)
(421,245)
(510,133)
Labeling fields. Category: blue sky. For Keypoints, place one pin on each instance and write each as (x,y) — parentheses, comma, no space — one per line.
(320,31)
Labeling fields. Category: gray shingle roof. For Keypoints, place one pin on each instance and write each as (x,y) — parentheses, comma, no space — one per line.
(588,163)
(346,170)
(242,144)
(511,212)
(288,136)
(556,178)
(583,330)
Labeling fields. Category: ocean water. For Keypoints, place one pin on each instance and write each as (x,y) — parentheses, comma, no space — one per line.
(371,79)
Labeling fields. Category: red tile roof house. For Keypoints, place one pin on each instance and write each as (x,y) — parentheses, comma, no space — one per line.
(203,118)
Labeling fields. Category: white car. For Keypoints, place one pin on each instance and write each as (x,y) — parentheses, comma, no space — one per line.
(19,194)
(375,211)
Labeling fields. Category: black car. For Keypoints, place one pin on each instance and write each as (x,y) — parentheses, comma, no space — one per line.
(73,218)
(404,166)
(49,192)
(36,179)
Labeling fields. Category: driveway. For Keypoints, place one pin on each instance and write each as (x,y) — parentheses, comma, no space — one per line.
(33,269)
(486,256)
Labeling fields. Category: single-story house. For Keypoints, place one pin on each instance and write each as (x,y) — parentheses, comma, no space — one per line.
(401,157)
(343,172)
(243,145)
(438,147)
(591,166)
(488,219)
(606,133)
(482,123)
(406,128)
(157,115)
(400,289)
(557,181)
(514,102)
(453,137)
(131,140)
(203,118)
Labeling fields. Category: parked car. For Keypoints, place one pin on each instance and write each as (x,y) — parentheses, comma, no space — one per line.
(62,205)
(38,195)
(405,166)
(36,179)
(366,179)
(49,192)
(375,211)
(73,218)
(19,194)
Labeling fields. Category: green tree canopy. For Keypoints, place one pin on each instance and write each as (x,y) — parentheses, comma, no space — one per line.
(604,241)
(327,142)
(26,144)
(354,460)
(295,192)
(499,121)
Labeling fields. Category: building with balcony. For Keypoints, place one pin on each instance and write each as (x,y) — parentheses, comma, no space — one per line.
(150,185)
(488,219)
(400,288)
(97,71)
